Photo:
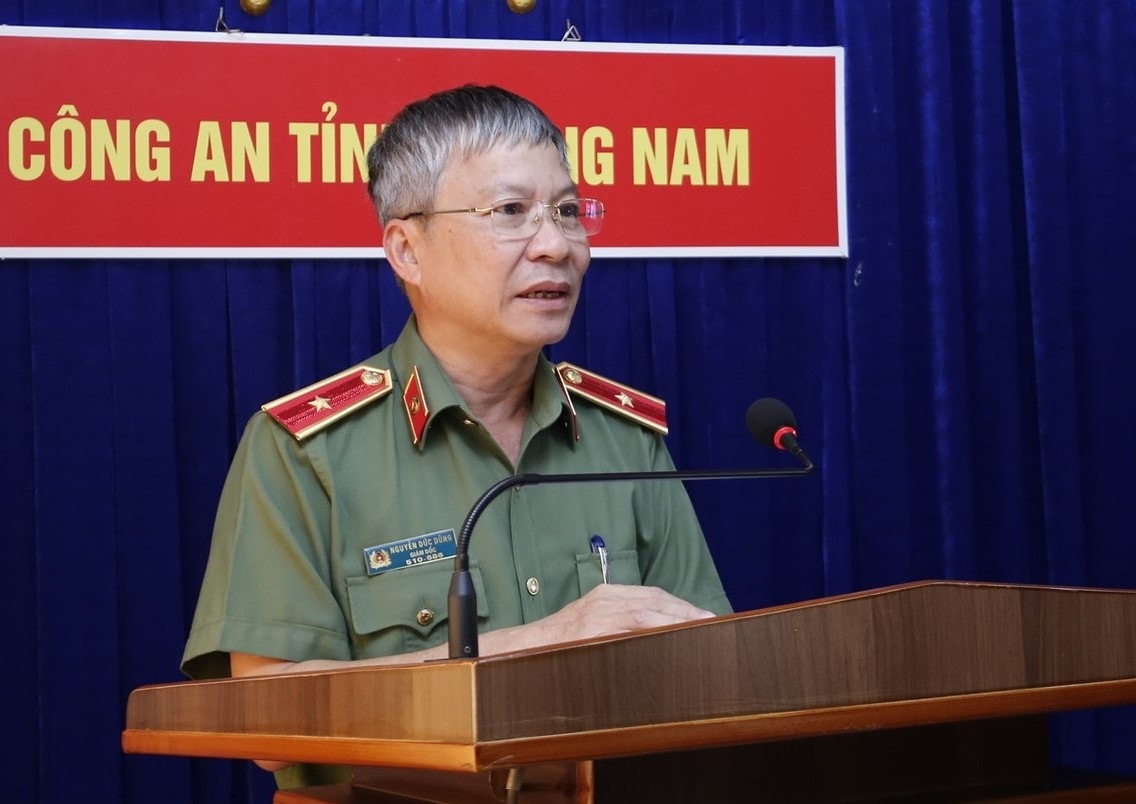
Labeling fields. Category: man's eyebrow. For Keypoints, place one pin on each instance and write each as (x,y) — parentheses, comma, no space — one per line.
(500,191)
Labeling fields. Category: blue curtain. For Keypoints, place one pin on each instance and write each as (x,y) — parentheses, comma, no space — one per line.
(963,380)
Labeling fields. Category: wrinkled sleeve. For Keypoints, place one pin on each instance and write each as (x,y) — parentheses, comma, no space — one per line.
(672,548)
(266,589)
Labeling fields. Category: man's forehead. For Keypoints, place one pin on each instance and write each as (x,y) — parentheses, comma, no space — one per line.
(510,170)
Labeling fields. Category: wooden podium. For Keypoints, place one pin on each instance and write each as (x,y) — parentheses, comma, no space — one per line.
(930,691)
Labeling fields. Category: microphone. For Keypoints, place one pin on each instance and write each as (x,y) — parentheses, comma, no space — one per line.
(772,423)
(769,421)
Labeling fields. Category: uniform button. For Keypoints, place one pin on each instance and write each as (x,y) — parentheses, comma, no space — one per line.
(533,585)
(372,377)
(424,617)
(467,422)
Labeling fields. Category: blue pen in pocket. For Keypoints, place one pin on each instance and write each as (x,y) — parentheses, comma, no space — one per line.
(600,549)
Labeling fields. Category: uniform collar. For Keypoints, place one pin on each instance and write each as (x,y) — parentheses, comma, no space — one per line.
(426,391)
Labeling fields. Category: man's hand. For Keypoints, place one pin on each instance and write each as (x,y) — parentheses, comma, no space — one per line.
(607,609)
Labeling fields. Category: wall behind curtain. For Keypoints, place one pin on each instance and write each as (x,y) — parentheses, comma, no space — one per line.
(964,380)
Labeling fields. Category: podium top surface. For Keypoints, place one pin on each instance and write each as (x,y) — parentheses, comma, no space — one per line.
(926,652)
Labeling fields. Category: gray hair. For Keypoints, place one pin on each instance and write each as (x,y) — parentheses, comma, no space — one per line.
(405,164)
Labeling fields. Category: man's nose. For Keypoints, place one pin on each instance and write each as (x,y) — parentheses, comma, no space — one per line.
(549,237)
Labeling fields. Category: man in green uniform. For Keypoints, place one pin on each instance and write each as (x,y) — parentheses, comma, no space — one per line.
(345,496)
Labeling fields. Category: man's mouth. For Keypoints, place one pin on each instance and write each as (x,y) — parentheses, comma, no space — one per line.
(543,294)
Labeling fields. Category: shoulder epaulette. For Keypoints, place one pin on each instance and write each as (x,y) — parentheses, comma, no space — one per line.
(649,411)
(307,411)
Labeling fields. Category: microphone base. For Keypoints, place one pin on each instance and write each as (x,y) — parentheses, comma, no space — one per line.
(462,605)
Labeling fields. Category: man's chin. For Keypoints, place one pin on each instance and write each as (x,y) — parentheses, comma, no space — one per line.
(544,332)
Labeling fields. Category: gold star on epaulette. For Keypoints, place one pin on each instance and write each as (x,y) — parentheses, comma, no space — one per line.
(647,410)
(311,409)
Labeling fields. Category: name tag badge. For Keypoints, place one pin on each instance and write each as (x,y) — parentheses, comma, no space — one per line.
(410,552)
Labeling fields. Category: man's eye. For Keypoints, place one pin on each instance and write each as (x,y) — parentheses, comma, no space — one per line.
(510,208)
(570,209)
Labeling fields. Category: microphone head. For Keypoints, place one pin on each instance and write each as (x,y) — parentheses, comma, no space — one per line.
(766,418)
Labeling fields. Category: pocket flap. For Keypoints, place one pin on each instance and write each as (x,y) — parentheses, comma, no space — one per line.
(415,598)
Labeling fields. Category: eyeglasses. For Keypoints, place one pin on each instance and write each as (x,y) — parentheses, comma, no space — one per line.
(520,218)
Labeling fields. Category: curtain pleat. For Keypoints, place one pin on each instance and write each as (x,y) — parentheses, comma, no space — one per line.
(18,589)
(963,379)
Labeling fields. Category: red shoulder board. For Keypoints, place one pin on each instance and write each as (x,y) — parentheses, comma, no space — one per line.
(309,410)
(649,411)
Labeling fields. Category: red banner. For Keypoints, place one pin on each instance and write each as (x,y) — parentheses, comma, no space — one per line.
(147,144)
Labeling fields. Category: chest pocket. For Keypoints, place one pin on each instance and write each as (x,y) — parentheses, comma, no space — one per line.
(404,610)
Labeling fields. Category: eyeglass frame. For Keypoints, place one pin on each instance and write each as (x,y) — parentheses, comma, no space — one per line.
(489,210)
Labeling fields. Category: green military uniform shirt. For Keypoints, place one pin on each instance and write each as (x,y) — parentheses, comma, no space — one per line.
(288,574)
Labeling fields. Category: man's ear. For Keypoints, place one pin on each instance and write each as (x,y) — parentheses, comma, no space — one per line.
(400,242)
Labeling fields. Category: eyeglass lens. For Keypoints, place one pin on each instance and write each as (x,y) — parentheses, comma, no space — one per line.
(521,217)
